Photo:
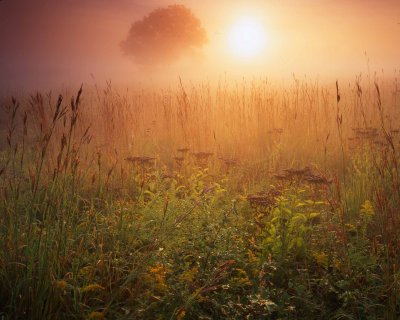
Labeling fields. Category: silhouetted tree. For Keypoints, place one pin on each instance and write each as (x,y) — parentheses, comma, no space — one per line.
(164,35)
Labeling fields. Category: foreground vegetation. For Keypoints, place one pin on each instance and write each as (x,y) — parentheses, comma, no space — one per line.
(242,202)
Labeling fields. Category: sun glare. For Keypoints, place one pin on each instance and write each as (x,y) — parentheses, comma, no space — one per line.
(247,38)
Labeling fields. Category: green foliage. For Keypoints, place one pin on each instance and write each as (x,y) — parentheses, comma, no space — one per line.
(289,225)
(103,238)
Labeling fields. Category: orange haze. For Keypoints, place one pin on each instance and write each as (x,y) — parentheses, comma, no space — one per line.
(47,43)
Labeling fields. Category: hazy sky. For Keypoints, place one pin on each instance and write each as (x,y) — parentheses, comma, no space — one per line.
(49,43)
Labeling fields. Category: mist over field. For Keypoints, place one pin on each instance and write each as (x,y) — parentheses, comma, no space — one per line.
(51,44)
(199,159)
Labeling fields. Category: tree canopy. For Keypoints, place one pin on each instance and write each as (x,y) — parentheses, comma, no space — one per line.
(163,36)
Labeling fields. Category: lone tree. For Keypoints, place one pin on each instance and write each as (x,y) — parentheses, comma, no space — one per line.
(165,35)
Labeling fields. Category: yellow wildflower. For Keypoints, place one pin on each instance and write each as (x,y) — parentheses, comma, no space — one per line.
(156,277)
(367,210)
(321,258)
(92,287)
(86,272)
(190,274)
(181,314)
(95,315)
(61,284)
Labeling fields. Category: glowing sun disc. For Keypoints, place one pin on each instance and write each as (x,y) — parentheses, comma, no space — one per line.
(247,38)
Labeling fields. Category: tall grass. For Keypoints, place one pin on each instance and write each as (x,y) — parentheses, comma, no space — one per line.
(103,217)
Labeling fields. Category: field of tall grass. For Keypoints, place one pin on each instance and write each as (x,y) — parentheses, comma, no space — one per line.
(234,200)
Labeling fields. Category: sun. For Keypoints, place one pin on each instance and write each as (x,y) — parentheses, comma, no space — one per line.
(247,38)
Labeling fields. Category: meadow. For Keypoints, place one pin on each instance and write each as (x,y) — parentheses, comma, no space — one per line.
(229,200)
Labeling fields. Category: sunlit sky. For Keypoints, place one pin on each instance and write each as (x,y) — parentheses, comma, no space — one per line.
(48,43)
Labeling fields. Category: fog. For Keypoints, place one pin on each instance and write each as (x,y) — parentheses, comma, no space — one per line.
(56,44)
